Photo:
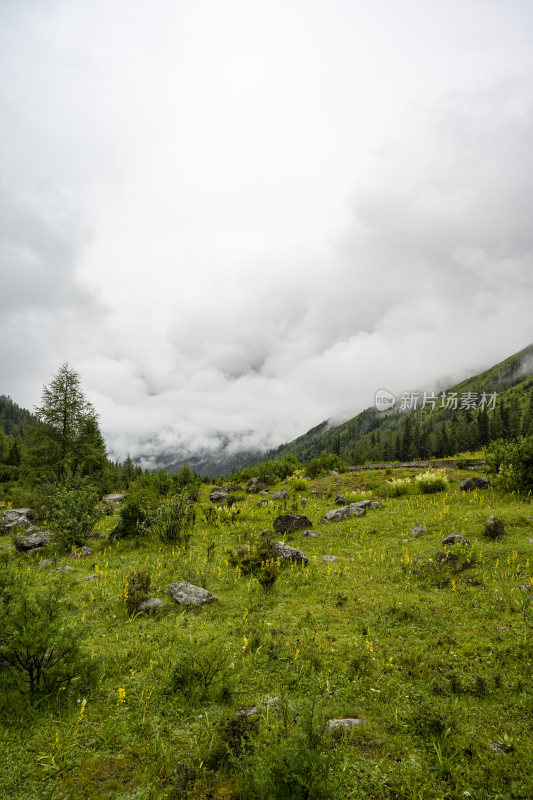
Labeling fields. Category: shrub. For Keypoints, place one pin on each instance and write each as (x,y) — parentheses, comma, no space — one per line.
(430,482)
(256,560)
(137,513)
(174,519)
(40,649)
(136,590)
(201,667)
(355,497)
(397,487)
(72,512)
(297,481)
(324,464)
(512,464)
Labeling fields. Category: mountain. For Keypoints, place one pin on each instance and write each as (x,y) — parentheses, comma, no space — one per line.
(13,418)
(495,403)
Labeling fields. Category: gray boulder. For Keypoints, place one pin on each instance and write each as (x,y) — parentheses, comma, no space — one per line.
(217,494)
(82,552)
(287,553)
(456,538)
(310,534)
(25,544)
(494,529)
(304,501)
(281,495)
(332,559)
(188,594)
(113,498)
(256,485)
(351,510)
(375,504)
(287,523)
(344,724)
(418,530)
(15,517)
(150,605)
(477,482)
(339,499)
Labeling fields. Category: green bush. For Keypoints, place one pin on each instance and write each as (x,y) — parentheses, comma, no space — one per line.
(324,464)
(136,515)
(511,463)
(256,560)
(72,512)
(39,649)
(173,520)
(397,487)
(430,482)
(136,590)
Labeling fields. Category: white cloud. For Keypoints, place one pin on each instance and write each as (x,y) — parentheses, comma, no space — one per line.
(238,219)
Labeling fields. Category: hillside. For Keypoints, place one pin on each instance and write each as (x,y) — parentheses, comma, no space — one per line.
(432,432)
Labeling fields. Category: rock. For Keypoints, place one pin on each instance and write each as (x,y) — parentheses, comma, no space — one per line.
(15,517)
(477,482)
(330,558)
(65,569)
(150,605)
(234,487)
(262,503)
(96,535)
(304,501)
(90,578)
(113,498)
(217,494)
(375,504)
(494,529)
(310,534)
(287,523)
(351,510)
(188,594)
(265,492)
(418,530)
(247,712)
(334,473)
(287,553)
(256,485)
(497,747)
(82,552)
(456,538)
(46,562)
(25,544)
(281,495)
(339,499)
(344,724)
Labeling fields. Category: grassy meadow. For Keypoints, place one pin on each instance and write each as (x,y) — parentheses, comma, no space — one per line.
(433,654)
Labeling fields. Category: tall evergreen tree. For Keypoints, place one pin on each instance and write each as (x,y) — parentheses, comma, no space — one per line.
(68,436)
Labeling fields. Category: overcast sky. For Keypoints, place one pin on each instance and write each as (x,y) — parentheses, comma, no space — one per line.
(242,218)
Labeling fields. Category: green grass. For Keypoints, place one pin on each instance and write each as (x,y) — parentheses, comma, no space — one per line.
(434,656)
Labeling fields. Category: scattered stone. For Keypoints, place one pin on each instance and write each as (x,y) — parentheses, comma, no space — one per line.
(339,499)
(266,533)
(375,504)
(315,491)
(287,553)
(287,523)
(217,494)
(46,562)
(344,724)
(334,473)
(264,492)
(188,594)
(262,503)
(456,538)
(247,712)
(113,498)
(330,558)
(65,569)
(409,539)
(90,578)
(418,530)
(310,534)
(477,482)
(256,485)
(281,495)
(351,510)
(15,517)
(272,701)
(304,501)
(96,535)
(501,748)
(25,544)
(234,487)
(82,552)
(150,605)
(494,529)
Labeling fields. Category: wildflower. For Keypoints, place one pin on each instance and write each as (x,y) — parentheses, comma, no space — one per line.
(368,645)
(297,654)
(121,696)
(245,645)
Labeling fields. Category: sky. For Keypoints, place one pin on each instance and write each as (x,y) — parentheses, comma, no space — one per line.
(236,219)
